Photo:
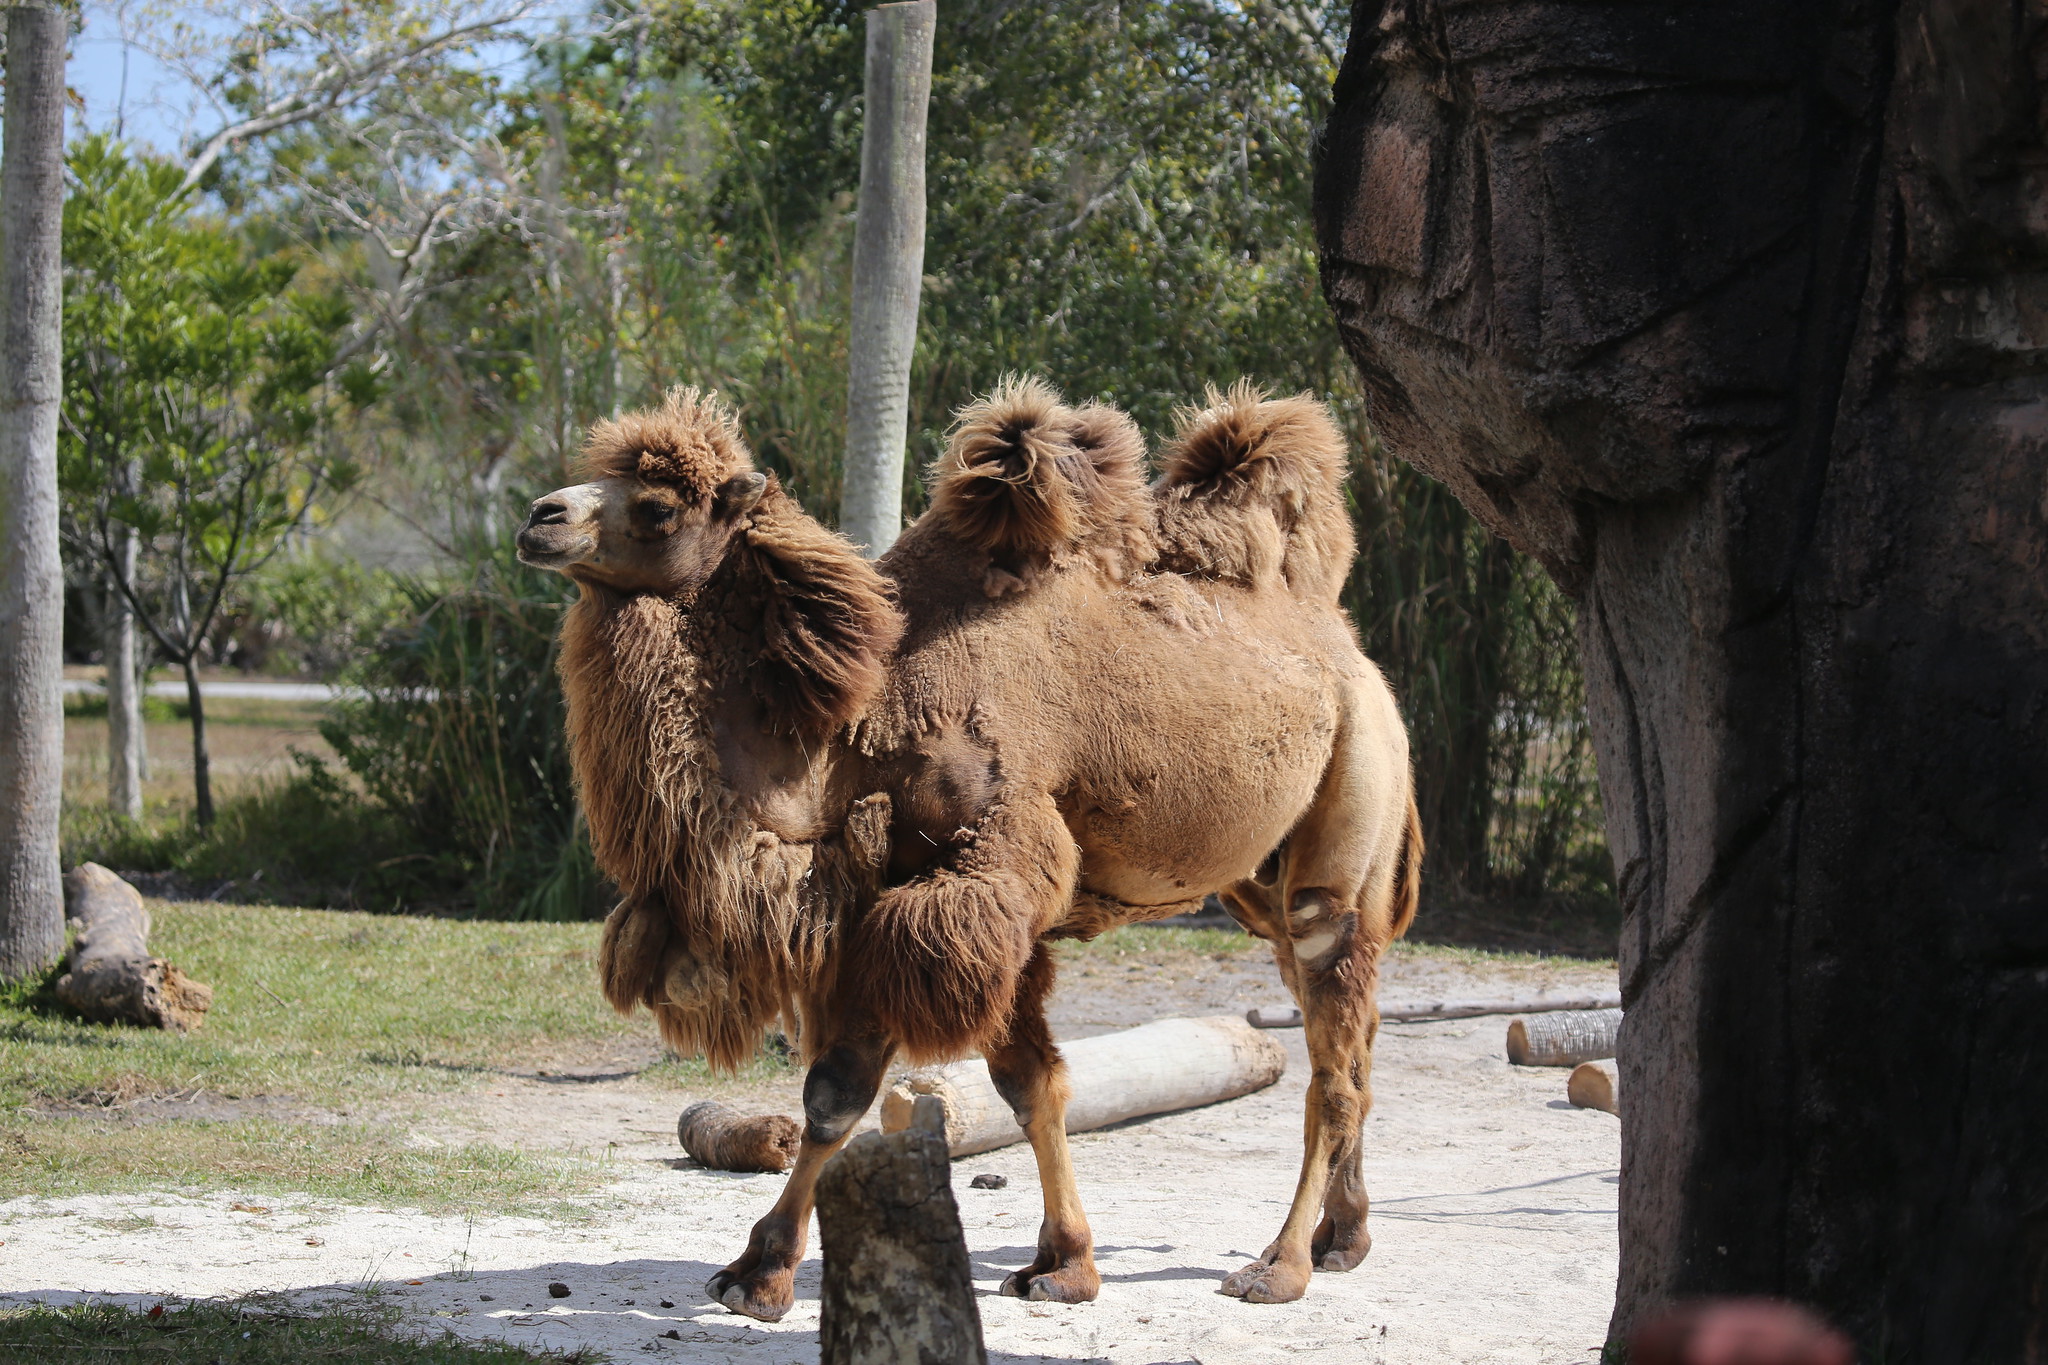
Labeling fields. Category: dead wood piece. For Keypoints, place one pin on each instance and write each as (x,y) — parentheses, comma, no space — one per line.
(897,1288)
(1563,1039)
(1473,1009)
(1273,1016)
(1160,1067)
(720,1137)
(110,975)
(1595,1085)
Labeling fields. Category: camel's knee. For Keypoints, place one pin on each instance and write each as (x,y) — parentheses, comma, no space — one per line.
(1032,1081)
(1320,928)
(838,1089)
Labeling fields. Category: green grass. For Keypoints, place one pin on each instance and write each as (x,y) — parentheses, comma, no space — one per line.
(246,1333)
(328,1030)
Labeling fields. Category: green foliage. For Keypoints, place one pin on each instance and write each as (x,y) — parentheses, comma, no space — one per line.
(458,737)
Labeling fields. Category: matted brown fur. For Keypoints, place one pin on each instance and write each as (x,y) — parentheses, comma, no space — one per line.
(723,926)
(1032,482)
(692,440)
(1251,489)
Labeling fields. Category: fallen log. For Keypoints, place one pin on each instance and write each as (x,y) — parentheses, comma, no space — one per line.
(1595,1085)
(110,975)
(1155,1069)
(1563,1039)
(720,1137)
(898,1289)
(1289,1016)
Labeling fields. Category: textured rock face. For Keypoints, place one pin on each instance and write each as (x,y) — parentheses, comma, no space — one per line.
(1736,316)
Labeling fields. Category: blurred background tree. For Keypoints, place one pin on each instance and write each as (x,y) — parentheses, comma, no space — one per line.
(650,193)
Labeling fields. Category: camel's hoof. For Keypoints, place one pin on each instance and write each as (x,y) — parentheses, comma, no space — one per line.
(1266,1282)
(1341,1251)
(762,1297)
(1074,1284)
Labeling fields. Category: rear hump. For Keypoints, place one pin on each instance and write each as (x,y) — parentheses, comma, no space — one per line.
(1252,491)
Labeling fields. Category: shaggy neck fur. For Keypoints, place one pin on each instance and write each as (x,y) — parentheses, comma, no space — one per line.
(722,927)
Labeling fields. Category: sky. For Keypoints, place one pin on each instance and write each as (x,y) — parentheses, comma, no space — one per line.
(157,108)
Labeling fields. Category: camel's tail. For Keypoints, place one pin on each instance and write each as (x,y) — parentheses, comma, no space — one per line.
(1030,481)
(1407,897)
(1252,491)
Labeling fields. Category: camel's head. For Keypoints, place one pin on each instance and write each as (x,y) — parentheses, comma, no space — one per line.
(665,493)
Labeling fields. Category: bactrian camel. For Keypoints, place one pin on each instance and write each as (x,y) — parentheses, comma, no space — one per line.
(862,798)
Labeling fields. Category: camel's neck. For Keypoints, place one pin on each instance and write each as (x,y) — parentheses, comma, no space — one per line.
(693,724)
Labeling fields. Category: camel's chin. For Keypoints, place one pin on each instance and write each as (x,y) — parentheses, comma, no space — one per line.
(536,553)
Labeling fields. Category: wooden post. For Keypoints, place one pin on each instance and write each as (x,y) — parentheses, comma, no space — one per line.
(888,267)
(898,1290)
(31,576)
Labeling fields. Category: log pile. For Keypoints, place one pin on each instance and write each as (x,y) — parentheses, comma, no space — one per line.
(110,975)
(898,1289)
(1158,1068)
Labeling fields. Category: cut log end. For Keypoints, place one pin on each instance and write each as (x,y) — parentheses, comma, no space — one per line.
(110,975)
(723,1139)
(1595,1085)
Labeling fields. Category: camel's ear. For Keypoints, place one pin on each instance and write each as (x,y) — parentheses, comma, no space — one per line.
(738,494)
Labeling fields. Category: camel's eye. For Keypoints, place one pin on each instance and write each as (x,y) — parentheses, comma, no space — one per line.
(652,516)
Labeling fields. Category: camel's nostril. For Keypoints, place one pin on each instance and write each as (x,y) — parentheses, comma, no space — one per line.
(550,512)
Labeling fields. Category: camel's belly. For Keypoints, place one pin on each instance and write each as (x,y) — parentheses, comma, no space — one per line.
(1188,778)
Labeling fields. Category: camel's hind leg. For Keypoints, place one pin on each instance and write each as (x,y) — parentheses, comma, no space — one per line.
(1026,1068)
(1331,902)
(838,1089)
(1335,990)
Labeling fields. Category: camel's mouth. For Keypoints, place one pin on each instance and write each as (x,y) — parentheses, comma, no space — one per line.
(559,530)
(553,547)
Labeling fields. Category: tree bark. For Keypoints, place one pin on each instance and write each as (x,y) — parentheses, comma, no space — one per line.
(888,271)
(31,577)
(1737,317)
(898,1289)
(202,762)
(127,743)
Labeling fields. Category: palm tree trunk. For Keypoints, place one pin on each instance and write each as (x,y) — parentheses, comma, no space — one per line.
(127,748)
(31,577)
(888,270)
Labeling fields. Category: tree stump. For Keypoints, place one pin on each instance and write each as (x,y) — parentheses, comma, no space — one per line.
(898,1290)
(1563,1039)
(111,976)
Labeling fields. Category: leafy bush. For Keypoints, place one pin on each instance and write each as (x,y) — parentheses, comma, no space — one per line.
(457,735)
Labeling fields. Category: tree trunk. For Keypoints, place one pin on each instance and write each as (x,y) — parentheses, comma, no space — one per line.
(127,745)
(898,1288)
(888,271)
(202,766)
(1736,317)
(31,577)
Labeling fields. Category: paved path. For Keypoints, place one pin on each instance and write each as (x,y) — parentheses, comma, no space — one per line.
(263,691)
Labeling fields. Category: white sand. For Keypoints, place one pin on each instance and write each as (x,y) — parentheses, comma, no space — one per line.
(1493,1222)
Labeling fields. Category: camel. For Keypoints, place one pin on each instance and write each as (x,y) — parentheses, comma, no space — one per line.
(863,798)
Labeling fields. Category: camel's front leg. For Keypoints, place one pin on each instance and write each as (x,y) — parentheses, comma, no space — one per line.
(1332,968)
(1027,1070)
(838,1089)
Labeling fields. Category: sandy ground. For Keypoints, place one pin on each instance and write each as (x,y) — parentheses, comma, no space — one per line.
(1493,1213)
